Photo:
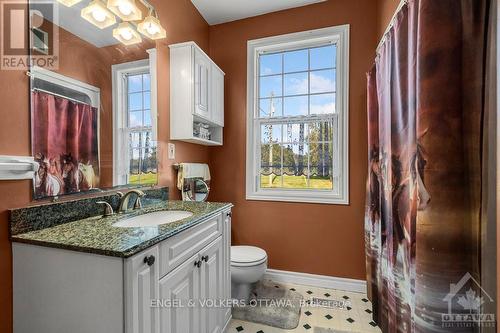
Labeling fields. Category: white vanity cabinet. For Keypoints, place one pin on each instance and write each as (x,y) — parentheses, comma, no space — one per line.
(196,95)
(175,286)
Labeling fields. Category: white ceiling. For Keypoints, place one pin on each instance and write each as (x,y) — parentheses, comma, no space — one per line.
(220,11)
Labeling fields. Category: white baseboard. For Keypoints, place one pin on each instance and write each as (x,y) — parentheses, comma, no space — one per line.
(313,280)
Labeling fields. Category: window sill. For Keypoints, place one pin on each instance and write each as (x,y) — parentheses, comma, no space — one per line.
(299,198)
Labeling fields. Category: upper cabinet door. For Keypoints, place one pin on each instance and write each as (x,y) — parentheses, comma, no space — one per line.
(202,68)
(141,281)
(217,95)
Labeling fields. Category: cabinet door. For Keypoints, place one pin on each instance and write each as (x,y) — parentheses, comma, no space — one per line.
(201,84)
(226,244)
(141,281)
(179,288)
(217,96)
(211,287)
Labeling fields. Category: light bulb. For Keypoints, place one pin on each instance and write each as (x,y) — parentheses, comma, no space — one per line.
(99,15)
(125,8)
(152,29)
(126,34)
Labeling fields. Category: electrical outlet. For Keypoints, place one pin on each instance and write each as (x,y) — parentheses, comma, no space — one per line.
(171,151)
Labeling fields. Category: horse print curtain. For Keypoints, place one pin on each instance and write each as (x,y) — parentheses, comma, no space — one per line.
(65,144)
(425,110)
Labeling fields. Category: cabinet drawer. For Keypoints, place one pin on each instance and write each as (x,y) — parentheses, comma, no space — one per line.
(174,251)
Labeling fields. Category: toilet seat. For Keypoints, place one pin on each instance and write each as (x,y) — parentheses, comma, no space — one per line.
(245,256)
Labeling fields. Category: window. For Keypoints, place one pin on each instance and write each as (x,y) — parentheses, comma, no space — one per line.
(135,149)
(142,149)
(297,146)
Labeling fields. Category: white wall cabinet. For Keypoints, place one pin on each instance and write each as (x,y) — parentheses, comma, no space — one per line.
(60,291)
(196,94)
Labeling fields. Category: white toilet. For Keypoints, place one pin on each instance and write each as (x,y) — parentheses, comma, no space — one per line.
(248,265)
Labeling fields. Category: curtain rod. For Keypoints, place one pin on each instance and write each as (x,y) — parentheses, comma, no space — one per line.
(62,96)
(391,24)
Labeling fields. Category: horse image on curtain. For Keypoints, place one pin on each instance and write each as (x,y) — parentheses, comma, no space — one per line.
(425,110)
(65,144)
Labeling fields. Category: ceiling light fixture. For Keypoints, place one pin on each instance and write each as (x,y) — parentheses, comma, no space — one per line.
(97,14)
(126,34)
(151,28)
(69,3)
(127,10)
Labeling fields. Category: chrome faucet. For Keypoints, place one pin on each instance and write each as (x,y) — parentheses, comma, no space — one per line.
(123,207)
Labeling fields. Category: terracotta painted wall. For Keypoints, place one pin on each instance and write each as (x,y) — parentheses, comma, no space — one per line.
(311,238)
(386,10)
(183,23)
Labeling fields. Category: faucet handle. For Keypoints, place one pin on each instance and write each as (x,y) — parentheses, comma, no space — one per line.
(108,210)
(138,203)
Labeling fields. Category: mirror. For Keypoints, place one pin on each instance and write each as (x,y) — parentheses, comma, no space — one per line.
(93,115)
(196,190)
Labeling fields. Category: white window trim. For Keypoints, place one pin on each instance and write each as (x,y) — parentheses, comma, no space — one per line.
(340,35)
(121,163)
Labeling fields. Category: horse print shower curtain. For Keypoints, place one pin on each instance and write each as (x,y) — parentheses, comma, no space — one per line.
(425,111)
(65,144)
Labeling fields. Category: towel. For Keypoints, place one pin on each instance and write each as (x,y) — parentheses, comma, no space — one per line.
(192,170)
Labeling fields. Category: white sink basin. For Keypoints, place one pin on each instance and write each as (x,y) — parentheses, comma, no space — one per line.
(153,219)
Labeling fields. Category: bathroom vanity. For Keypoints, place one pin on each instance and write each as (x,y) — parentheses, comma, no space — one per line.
(93,276)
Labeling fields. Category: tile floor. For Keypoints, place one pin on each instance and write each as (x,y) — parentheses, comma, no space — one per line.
(354,317)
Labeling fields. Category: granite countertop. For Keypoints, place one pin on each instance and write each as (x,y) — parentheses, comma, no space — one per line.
(98,235)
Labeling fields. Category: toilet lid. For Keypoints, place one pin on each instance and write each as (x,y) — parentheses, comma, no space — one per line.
(247,254)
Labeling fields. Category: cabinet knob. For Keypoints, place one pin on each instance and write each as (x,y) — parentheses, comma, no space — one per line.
(197,263)
(149,260)
(204,258)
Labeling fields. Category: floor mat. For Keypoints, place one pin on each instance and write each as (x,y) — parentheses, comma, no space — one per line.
(272,306)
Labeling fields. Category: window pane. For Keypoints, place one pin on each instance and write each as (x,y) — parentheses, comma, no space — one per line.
(295,133)
(296,61)
(134,166)
(322,104)
(270,86)
(323,57)
(135,119)
(147,117)
(270,64)
(271,158)
(134,83)
(270,107)
(295,160)
(321,166)
(320,131)
(322,81)
(270,165)
(135,101)
(147,100)
(295,106)
(296,84)
(146,82)
(269,180)
(135,140)
(270,134)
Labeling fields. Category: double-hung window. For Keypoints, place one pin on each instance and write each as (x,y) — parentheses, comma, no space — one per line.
(297,135)
(135,149)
